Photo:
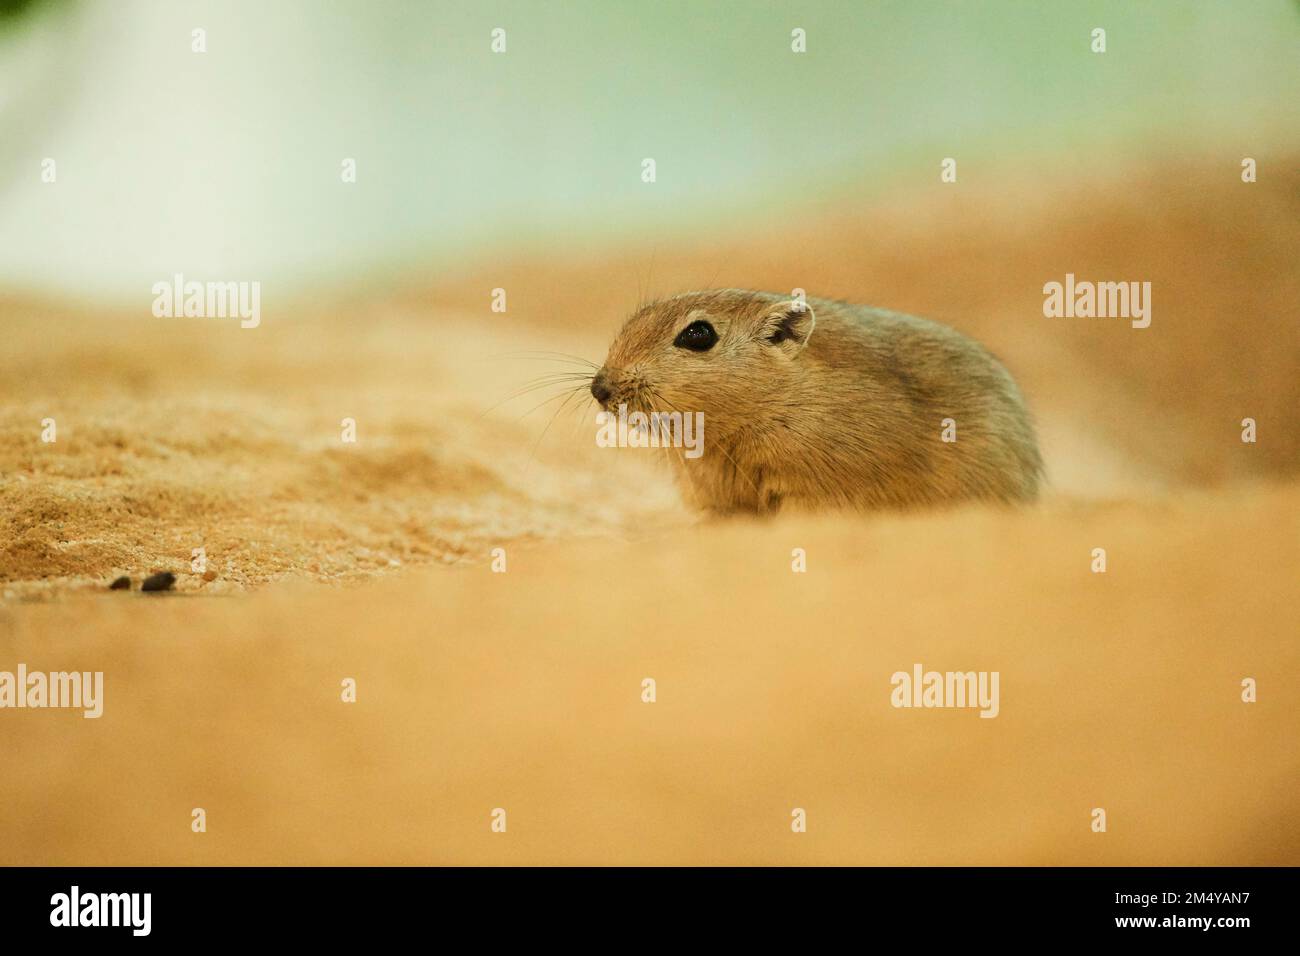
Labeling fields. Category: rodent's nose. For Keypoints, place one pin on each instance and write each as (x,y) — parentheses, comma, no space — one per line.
(600,389)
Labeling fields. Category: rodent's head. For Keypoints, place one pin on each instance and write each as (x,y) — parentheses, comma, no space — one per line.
(720,352)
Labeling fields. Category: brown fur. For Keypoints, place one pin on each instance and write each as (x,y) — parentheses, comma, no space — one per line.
(845,412)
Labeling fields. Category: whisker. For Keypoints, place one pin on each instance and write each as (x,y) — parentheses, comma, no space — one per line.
(533,387)
(554,415)
(554,379)
(569,392)
(676,457)
(735,467)
(545,356)
(582,414)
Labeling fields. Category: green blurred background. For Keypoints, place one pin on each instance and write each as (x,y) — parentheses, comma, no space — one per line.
(227,164)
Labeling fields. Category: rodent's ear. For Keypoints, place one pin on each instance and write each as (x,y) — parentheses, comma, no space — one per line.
(789,326)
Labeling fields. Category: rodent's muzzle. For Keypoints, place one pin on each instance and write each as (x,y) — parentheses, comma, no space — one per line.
(600,389)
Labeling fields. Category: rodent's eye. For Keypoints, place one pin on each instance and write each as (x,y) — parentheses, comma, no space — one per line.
(699,336)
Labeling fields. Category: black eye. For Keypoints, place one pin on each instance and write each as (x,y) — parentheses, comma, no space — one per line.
(698,337)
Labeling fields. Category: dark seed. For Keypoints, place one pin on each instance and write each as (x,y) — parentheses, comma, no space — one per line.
(121,584)
(162,581)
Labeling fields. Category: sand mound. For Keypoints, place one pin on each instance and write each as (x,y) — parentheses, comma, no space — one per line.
(232,440)
(522,691)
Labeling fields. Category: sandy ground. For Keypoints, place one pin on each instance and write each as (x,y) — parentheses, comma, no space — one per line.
(522,690)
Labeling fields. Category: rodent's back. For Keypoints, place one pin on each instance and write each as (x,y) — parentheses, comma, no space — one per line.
(927,372)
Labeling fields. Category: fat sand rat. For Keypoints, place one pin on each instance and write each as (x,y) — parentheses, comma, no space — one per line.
(821,404)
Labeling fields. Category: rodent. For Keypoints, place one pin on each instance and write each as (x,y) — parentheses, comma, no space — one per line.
(814,403)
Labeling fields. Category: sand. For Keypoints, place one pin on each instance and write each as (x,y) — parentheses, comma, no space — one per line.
(477,690)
